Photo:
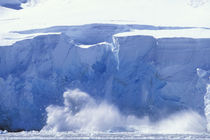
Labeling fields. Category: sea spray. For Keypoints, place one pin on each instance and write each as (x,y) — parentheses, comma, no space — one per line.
(81,112)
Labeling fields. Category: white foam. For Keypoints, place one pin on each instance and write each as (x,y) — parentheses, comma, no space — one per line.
(82,113)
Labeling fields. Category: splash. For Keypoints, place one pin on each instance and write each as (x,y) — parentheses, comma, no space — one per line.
(207,106)
(81,112)
(205,81)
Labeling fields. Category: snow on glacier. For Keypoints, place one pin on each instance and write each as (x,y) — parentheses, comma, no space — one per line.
(139,75)
(11,38)
(45,13)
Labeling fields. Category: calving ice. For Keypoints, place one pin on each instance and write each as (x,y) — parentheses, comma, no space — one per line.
(104,69)
(129,77)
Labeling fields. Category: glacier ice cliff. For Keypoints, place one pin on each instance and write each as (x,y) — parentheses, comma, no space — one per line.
(142,75)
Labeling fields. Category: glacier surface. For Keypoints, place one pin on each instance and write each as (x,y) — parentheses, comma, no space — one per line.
(140,75)
(46,13)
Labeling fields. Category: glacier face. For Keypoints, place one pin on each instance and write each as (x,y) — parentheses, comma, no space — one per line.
(142,75)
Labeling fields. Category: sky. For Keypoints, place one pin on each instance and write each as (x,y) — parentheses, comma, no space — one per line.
(46,13)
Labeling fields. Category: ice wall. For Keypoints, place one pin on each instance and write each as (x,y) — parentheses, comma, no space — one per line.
(35,73)
(141,75)
(177,60)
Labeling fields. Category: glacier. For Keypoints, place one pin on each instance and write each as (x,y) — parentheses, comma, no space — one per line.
(132,68)
(13,4)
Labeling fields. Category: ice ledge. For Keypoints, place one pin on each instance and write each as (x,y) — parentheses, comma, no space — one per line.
(185,33)
(7,39)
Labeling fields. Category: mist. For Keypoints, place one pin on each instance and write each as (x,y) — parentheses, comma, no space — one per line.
(80,112)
